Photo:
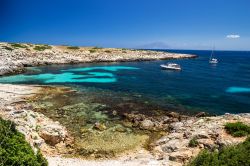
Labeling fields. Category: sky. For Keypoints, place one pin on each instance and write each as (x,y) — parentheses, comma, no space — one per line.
(169,24)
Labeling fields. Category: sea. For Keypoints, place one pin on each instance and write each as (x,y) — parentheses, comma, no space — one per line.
(199,87)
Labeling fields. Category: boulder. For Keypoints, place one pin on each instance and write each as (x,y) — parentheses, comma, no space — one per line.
(174,115)
(181,156)
(52,134)
(207,143)
(174,145)
(176,126)
(147,124)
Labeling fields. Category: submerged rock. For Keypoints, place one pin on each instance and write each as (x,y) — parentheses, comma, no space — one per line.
(100,126)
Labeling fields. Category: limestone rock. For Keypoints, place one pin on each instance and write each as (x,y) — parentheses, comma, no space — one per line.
(52,134)
(147,124)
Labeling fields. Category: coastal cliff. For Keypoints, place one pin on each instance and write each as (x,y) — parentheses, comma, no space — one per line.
(14,57)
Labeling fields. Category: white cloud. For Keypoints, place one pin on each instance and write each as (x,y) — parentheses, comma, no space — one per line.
(233,36)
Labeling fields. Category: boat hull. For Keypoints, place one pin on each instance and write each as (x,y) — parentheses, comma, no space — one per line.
(169,68)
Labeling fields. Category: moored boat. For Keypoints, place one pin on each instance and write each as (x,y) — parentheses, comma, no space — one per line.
(171,66)
(211,59)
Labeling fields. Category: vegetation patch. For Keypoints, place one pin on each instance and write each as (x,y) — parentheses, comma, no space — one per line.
(229,156)
(42,47)
(193,142)
(97,48)
(92,51)
(17,45)
(237,129)
(73,47)
(14,150)
(107,51)
(7,48)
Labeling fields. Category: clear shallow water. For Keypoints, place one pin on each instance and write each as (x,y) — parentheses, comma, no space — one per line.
(200,86)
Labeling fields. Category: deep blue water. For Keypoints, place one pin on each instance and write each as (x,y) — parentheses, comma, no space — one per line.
(220,88)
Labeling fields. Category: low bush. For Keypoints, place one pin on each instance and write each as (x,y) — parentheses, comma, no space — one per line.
(14,150)
(42,47)
(7,48)
(193,142)
(97,48)
(92,51)
(237,129)
(17,45)
(73,47)
(237,155)
(107,51)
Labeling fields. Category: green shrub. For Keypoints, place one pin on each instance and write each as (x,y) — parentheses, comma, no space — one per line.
(92,51)
(193,142)
(107,51)
(17,45)
(73,47)
(97,47)
(7,48)
(14,150)
(237,129)
(237,155)
(42,47)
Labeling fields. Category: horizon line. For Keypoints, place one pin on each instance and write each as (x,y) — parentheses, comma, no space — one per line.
(126,47)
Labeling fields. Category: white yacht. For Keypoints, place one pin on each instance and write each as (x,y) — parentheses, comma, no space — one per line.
(211,59)
(171,66)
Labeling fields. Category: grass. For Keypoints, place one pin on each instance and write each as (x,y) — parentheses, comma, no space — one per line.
(193,142)
(237,129)
(17,45)
(237,155)
(42,47)
(14,150)
(73,47)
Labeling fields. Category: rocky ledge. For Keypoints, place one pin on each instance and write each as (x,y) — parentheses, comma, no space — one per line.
(50,136)
(186,136)
(15,57)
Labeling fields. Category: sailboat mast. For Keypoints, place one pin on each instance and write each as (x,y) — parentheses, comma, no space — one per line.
(212,53)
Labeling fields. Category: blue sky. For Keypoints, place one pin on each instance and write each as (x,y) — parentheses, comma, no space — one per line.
(174,24)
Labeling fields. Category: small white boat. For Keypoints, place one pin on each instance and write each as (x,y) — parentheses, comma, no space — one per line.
(211,59)
(171,66)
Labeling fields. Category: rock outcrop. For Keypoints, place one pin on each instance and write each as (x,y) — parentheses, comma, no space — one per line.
(209,133)
(40,131)
(173,148)
(15,59)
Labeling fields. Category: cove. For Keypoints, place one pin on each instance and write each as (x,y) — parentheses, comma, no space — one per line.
(198,87)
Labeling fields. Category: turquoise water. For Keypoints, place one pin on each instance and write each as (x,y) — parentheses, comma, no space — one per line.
(68,76)
(200,86)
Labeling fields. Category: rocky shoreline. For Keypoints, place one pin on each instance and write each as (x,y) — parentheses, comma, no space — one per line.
(55,141)
(15,57)
(171,149)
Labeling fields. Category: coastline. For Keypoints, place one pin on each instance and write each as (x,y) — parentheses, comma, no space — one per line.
(171,149)
(55,141)
(14,58)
